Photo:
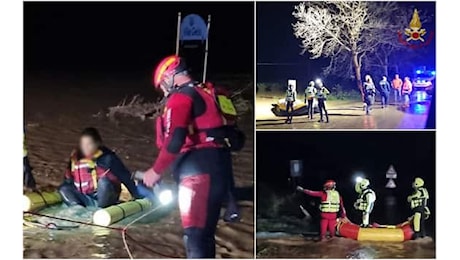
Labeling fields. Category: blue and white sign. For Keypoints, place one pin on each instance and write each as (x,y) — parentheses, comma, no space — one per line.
(193,28)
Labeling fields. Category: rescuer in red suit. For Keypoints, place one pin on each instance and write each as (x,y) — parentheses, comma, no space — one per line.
(194,138)
(331,204)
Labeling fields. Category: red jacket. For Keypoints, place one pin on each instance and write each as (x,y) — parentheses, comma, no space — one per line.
(190,113)
(323,196)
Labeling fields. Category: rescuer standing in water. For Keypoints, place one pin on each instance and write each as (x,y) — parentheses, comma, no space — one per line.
(418,203)
(194,141)
(290,99)
(310,93)
(365,201)
(331,205)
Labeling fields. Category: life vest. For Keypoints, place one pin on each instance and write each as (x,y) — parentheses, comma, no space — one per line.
(290,95)
(332,202)
(86,173)
(362,200)
(310,92)
(322,93)
(419,198)
(369,88)
(213,119)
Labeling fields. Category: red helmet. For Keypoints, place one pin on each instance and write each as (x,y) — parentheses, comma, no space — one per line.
(329,184)
(169,66)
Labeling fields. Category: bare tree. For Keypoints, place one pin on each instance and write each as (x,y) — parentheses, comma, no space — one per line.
(345,31)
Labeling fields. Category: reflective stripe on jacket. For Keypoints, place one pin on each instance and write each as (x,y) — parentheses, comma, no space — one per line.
(363,203)
(332,203)
(419,198)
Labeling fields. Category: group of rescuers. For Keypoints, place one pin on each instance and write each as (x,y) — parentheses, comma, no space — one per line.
(317,90)
(195,135)
(332,207)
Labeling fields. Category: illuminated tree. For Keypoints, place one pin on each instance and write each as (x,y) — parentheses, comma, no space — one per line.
(348,33)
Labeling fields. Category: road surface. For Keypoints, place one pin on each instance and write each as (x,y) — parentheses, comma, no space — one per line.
(346,115)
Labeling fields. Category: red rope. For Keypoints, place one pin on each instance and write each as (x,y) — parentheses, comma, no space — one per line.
(120,229)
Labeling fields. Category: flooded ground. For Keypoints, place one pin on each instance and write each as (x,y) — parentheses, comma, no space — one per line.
(346,115)
(285,232)
(296,246)
(56,110)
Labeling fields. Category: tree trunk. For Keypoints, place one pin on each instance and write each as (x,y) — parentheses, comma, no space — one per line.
(357,68)
(385,67)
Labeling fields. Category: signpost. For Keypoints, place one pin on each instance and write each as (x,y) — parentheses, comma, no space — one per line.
(296,172)
(391,175)
(193,28)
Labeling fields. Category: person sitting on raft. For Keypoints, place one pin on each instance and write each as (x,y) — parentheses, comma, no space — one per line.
(95,174)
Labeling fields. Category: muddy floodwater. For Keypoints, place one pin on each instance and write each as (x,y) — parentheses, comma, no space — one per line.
(347,115)
(56,110)
(300,247)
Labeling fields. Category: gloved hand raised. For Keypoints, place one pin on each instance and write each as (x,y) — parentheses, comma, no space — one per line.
(299,188)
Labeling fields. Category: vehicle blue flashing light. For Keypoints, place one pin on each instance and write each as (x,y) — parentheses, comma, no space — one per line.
(418,71)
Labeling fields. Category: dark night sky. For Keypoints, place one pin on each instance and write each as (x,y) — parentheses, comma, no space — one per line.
(127,37)
(338,155)
(277,44)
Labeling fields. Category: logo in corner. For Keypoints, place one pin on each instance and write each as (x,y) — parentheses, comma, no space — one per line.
(415,34)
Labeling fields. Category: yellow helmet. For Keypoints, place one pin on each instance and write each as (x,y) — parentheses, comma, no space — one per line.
(364,184)
(358,188)
(418,182)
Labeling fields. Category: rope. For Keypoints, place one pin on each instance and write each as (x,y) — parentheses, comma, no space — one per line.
(123,230)
(72,221)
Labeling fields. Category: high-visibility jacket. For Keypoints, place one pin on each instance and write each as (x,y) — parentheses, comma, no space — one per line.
(310,92)
(419,198)
(290,95)
(397,83)
(322,93)
(332,202)
(366,200)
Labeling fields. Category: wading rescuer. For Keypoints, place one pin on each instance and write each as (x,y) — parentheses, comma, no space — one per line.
(418,203)
(365,201)
(321,95)
(95,174)
(290,100)
(310,93)
(331,205)
(195,139)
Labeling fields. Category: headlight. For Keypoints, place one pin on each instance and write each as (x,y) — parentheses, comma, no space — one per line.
(165,197)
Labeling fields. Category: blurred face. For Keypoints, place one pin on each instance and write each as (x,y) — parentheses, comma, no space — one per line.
(384,78)
(396,76)
(87,146)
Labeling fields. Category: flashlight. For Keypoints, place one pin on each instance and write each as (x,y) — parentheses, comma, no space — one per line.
(358,179)
(164,195)
(318,81)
